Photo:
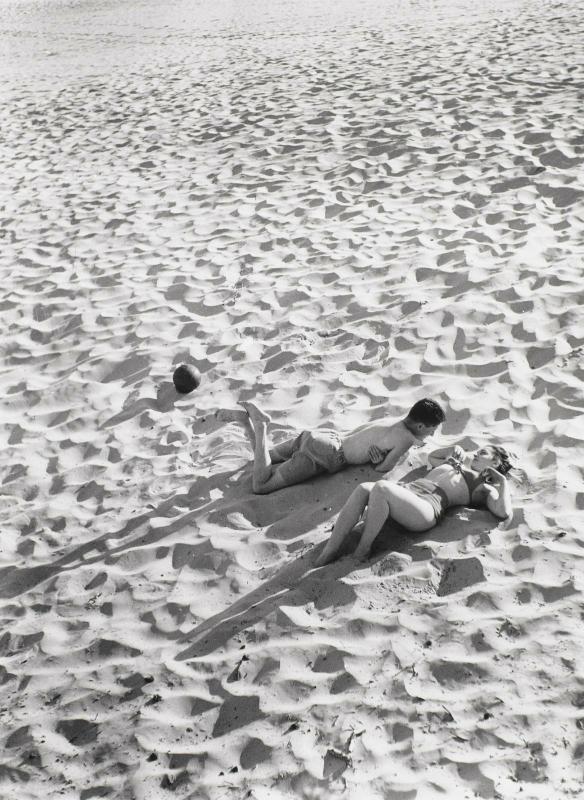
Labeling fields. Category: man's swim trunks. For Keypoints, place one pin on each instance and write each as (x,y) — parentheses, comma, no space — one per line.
(324,447)
(432,493)
(314,452)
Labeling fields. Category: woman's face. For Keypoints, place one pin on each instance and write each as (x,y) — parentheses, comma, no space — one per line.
(483,458)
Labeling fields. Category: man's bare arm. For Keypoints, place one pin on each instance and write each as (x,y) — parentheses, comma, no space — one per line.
(392,457)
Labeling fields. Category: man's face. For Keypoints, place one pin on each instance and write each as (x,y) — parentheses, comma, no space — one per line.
(426,430)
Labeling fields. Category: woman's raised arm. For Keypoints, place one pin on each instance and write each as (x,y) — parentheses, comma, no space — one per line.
(497,494)
(444,453)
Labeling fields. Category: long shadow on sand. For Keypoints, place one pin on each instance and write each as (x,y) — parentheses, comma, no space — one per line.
(300,582)
(140,530)
(166,399)
(279,515)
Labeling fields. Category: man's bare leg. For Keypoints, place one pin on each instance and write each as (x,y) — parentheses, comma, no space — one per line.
(278,454)
(349,516)
(267,477)
(262,464)
(283,451)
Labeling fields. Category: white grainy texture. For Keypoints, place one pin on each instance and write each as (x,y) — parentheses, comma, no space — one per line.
(334,209)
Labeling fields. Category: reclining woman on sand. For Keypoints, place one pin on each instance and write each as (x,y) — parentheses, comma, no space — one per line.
(420,505)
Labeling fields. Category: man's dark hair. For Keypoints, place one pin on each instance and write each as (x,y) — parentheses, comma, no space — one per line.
(426,411)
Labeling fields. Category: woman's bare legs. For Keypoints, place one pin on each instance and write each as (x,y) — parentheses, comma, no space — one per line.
(398,502)
(349,516)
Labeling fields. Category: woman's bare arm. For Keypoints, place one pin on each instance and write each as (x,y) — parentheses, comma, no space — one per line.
(444,453)
(497,494)
(500,505)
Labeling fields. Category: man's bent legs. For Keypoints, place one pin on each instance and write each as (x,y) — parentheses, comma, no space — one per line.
(398,502)
(262,464)
(349,516)
(267,477)
(284,450)
(295,470)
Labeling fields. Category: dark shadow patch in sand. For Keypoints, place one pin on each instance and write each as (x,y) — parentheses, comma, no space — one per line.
(458,574)
(78,731)
(237,711)
(13,775)
(290,513)
(254,753)
(458,523)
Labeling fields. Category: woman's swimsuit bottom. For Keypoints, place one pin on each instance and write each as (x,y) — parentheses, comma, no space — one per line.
(432,494)
(436,496)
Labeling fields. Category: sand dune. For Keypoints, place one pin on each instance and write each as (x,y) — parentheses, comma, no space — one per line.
(336,211)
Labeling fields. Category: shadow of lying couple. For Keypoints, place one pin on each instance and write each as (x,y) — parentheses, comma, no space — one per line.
(300,581)
(287,516)
(219,498)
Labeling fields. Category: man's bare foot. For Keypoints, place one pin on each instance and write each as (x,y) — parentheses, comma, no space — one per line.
(255,413)
(231,415)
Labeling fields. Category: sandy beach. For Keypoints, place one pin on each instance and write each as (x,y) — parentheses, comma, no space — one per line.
(333,209)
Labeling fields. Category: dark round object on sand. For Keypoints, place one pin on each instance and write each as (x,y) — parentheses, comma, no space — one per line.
(186,378)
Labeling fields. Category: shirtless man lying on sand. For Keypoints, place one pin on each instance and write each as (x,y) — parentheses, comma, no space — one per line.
(320,451)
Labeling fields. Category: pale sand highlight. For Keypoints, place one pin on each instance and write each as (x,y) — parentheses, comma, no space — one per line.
(333,212)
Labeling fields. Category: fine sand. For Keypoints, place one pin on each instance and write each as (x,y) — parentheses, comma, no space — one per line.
(334,210)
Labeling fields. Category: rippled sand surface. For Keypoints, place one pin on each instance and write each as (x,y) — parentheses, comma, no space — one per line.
(334,209)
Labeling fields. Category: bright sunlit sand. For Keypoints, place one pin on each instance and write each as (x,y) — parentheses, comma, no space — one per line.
(332,209)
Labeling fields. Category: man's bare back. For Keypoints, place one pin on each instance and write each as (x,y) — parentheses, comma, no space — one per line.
(392,439)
